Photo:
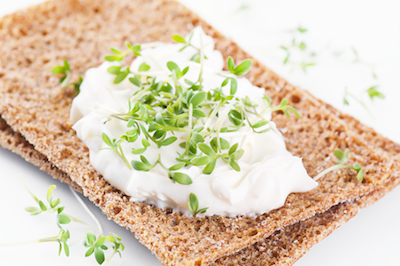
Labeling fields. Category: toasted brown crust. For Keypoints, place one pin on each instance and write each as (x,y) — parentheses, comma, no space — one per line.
(33,41)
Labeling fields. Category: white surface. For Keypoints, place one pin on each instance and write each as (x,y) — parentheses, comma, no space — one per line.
(372,27)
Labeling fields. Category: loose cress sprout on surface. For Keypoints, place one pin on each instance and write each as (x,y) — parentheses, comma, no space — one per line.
(160,107)
(372,94)
(193,205)
(343,157)
(95,244)
(65,72)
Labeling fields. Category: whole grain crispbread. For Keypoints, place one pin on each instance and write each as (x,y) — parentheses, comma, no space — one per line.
(33,41)
(283,247)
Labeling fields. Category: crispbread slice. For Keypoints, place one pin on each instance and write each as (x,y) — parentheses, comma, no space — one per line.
(283,247)
(82,31)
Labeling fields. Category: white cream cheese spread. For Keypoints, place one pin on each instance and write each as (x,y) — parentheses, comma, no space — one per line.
(268,172)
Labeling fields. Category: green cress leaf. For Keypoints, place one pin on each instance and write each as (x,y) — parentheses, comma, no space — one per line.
(181,178)
(231,64)
(194,203)
(360,174)
(373,92)
(302,30)
(234,165)
(135,49)
(99,255)
(233,86)
(178,38)
(50,192)
(145,143)
(206,149)
(114,70)
(237,154)
(120,77)
(63,219)
(198,98)
(199,113)
(136,81)
(302,46)
(172,66)
(107,140)
(177,166)
(140,166)
(339,154)
(198,161)
(209,167)
(243,68)
(144,67)
(139,150)
(33,210)
(169,141)
(233,149)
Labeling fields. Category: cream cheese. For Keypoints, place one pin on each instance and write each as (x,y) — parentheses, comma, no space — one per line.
(269,173)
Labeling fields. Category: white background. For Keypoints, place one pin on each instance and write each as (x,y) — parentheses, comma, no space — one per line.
(334,27)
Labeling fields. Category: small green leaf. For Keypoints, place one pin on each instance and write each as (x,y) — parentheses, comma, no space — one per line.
(209,167)
(198,113)
(243,68)
(120,77)
(177,166)
(33,210)
(144,67)
(231,64)
(89,252)
(63,219)
(58,70)
(145,142)
(339,154)
(107,140)
(206,149)
(99,255)
(140,166)
(114,70)
(233,149)
(91,238)
(302,46)
(49,192)
(198,98)
(194,203)
(168,141)
(233,86)
(181,178)
(139,150)
(100,242)
(198,161)
(178,38)
(42,206)
(66,249)
(234,165)
(238,154)
(360,174)
(136,81)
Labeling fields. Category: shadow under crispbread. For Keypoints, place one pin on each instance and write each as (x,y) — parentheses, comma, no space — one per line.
(82,31)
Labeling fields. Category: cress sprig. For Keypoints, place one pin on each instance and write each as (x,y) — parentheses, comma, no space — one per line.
(95,244)
(161,108)
(193,205)
(65,72)
(343,157)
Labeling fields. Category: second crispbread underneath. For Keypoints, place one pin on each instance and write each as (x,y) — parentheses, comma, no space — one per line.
(82,32)
(283,247)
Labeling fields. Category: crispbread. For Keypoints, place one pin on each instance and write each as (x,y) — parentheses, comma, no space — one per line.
(82,31)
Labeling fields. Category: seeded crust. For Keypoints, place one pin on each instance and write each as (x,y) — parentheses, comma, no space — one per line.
(33,41)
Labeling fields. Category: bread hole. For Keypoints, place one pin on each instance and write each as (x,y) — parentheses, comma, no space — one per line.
(97,201)
(44,33)
(45,60)
(28,61)
(117,210)
(168,210)
(174,222)
(252,232)
(279,112)
(96,10)
(2,74)
(295,99)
